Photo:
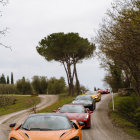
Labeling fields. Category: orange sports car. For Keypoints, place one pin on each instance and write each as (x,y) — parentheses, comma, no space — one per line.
(47,126)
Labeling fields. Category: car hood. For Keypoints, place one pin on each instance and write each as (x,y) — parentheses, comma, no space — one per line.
(43,135)
(93,96)
(76,116)
(83,102)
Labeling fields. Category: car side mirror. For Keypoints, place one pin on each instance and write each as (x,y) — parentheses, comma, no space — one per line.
(87,109)
(12,125)
(81,123)
(74,124)
(54,111)
(91,112)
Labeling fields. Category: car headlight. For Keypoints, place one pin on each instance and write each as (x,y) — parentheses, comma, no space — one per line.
(75,138)
(86,117)
(12,138)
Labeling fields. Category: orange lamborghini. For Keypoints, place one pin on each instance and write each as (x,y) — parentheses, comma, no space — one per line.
(47,126)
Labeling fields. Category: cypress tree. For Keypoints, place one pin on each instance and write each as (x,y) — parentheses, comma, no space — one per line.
(7,79)
(3,80)
(0,79)
(12,79)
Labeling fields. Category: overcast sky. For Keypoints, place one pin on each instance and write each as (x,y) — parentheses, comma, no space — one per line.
(31,20)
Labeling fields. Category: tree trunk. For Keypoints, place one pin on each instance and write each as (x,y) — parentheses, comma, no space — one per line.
(67,67)
(66,70)
(77,81)
(135,71)
(71,87)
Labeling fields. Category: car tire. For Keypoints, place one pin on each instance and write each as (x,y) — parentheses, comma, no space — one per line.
(95,107)
(89,125)
(91,108)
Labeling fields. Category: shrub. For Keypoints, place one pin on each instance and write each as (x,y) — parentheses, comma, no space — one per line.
(125,91)
(7,89)
(6,100)
(137,117)
(126,106)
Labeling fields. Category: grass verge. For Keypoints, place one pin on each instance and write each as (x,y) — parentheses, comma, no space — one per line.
(63,99)
(22,102)
(122,122)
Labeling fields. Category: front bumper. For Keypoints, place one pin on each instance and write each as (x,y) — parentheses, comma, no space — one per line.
(97,98)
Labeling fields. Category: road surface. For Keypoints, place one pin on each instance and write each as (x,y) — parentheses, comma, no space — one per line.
(20,116)
(102,128)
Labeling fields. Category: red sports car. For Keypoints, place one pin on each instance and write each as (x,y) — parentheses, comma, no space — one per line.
(76,112)
(105,91)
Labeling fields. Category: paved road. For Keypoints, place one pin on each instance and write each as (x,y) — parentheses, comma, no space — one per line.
(102,128)
(20,116)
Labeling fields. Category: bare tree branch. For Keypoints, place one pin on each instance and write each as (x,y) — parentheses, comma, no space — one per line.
(6,46)
(3,2)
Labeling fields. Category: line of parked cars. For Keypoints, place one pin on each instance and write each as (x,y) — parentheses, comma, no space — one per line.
(65,123)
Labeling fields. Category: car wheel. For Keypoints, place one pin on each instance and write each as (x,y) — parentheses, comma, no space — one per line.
(89,125)
(91,108)
(94,106)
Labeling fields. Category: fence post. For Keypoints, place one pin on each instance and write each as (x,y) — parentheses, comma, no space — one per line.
(112,99)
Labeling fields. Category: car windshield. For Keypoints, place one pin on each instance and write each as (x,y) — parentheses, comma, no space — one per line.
(91,93)
(72,109)
(82,97)
(41,122)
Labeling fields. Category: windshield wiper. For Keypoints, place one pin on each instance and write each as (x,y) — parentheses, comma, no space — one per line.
(40,129)
(25,128)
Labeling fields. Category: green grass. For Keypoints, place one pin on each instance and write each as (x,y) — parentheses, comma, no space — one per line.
(122,122)
(22,102)
(63,99)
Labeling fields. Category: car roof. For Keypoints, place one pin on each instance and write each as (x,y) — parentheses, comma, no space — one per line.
(47,114)
(84,95)
(73,105)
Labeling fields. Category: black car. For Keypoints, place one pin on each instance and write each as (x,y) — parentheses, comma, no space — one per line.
(86,101)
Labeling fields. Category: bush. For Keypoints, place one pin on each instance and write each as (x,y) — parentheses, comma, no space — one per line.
(125,91)
(6,100)
(7,89)
(126,106)
(137,117)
